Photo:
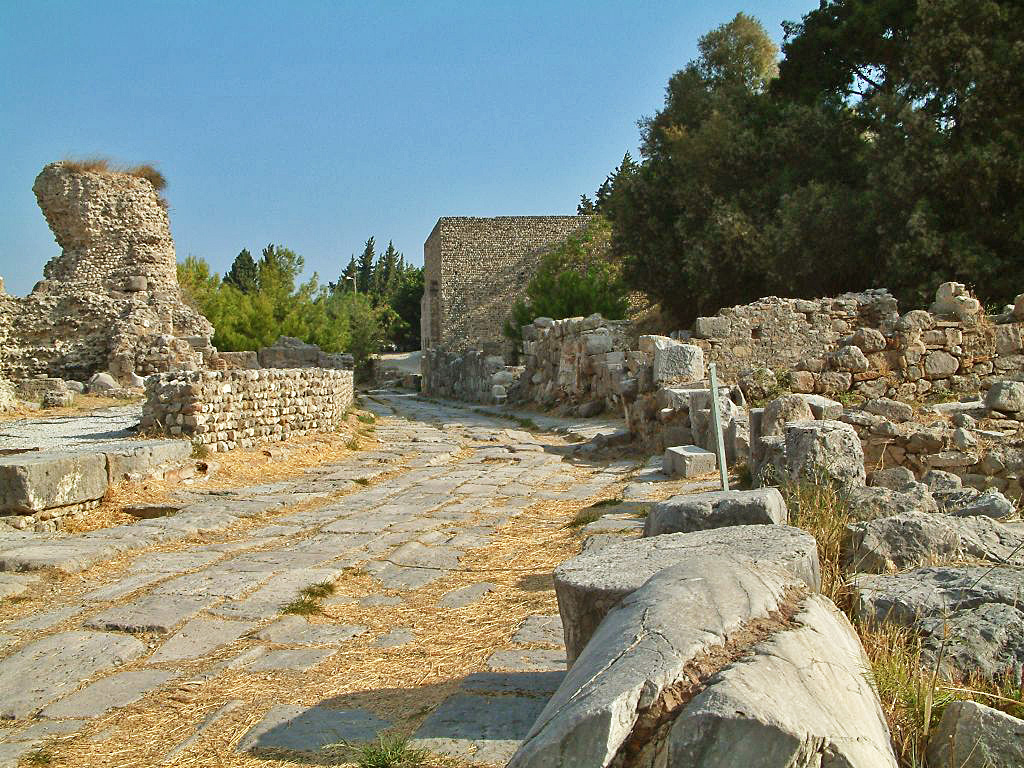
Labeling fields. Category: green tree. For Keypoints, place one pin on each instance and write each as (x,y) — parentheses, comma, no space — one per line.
(387,271)
(738,54)
(367,260)
(244,274)
(406,301)
(575,278)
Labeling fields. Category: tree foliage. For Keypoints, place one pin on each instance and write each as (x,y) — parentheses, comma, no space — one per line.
(576,278)
(887,152)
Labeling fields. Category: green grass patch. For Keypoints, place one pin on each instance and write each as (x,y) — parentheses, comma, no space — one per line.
(353,444)
(302,606)
(38,757)
(318,591)
(366,417)
(388,752)
(364,481)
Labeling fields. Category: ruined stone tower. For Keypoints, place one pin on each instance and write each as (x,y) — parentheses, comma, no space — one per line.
(111,300)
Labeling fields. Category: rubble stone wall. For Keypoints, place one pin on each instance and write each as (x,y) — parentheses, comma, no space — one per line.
(240,408)
(111,300)
(471,376)
(476,269)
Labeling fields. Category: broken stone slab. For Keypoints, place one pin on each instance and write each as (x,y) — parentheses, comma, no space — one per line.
(688,461)
(664,643)
(591,584)
(34,482)
(825,451)
(112,692)
(54,666)
(914,539)
(138,458)
(484,729)
(972,735)
(969,503)
(871,502)
(717,509)
(309,730)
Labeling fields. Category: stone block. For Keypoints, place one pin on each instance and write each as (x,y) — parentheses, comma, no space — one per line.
(33,482)
(1005,397)
(675,361)
(825,450)
(309,729)
(716,509)
(688,461)
(135,283)
(712,327)
(940,365)
(972,735)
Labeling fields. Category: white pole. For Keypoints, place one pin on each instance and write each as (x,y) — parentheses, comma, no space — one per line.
(716,420)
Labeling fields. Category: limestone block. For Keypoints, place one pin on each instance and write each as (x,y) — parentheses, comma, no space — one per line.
(827,450)
(940,365)
(1005,396)
(972,735)
(688,461)
(1018,307)
(716,509)
(144,456)
(589,585)
(893,410)
(712,327)
(869,340)
(100,383)
(677,362)
(54,399)
(783,410)
(823,407)
(136,283)
(870,503)
(33,482)
(851,359)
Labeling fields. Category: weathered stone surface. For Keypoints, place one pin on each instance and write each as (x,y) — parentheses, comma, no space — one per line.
(299,660)
(1005,396)
(913,539)
(893,410)
(55,665)
(301,729)
(117,690)
(140,458)
(717,509)
(990,503)
(828,450)
(788,408)
(153,613)
(676,362)
(868,503)
(198,638)
(295,630)
(538,660)
(772,710)
(851,359)
(658,639)
(940,365)
(589,585)
(893,478)
(33,482)
(688,461)
(540,630)
(971,735)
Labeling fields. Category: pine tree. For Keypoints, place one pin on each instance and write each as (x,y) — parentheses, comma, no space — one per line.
(387,273)
(366,264)
(244,274)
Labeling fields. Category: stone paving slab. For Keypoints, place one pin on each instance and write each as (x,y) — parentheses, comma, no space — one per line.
(300,660)
(198,638)
(295,630)
(123,587)
(308,730)
(152,613)
(528,661)
(485,729)
(399,577)
(218,581)
(51,667)
(531,683)
(395,638)
(463,596)
(109,693)
(44,620)
(540,630)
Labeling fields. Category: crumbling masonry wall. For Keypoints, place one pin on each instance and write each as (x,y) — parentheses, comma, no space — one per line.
(475,269)
(111,300)
(240,408)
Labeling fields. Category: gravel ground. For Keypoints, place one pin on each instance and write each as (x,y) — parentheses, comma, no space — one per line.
(71,432)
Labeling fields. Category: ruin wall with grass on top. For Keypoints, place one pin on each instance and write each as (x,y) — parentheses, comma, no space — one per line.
(231,409)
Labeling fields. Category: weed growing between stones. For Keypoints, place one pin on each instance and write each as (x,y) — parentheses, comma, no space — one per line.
(366,417)
(302,606)
(389,752)
(38,757)
(318,591)
(821,510)
(200,451)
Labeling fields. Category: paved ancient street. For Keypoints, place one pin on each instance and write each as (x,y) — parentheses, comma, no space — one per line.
(168,641)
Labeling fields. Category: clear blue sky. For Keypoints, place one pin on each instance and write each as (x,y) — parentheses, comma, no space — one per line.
(317,124)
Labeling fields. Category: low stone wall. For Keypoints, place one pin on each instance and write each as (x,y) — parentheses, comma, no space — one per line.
(239,408)
(473,376)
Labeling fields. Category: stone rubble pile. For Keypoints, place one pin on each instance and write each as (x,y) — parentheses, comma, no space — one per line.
(240,408)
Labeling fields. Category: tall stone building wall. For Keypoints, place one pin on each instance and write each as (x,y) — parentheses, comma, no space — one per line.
(475,269)
(111,300)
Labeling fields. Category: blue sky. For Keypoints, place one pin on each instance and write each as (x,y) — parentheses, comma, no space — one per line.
(317,124)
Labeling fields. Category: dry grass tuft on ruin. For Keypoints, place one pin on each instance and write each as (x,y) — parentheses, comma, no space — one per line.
(99,164)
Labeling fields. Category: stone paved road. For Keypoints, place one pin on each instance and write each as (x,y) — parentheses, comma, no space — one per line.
(71,432)
(165,642)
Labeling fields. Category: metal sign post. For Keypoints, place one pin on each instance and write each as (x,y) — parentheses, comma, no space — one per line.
(716,419)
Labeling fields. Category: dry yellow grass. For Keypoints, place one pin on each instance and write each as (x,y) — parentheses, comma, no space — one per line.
(402,684)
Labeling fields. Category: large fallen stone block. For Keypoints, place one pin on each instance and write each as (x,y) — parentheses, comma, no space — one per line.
(142,457)
(971,735)
(714,662)
(591,584)
(688,461)
(825,451)
(716,509)
(913,539)
(33,482)
(869,503)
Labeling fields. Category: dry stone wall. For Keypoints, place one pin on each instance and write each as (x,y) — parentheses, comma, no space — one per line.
(240,408)
(475,269)
(111,300)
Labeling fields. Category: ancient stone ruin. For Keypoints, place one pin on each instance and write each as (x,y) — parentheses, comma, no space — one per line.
(475,269)
(110,302)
